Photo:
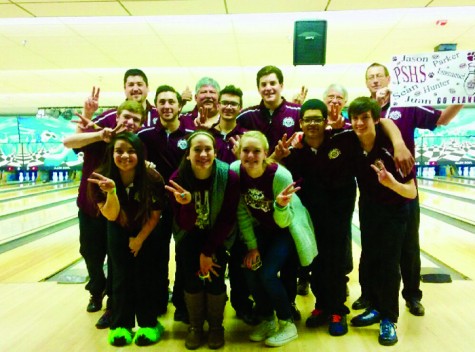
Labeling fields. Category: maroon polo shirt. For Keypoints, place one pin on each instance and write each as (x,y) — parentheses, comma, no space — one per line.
(284,119)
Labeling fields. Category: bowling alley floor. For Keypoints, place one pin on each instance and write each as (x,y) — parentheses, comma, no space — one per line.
(49,315)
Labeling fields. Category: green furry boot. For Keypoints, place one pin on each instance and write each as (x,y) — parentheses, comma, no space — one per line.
(120,336)
(148,336)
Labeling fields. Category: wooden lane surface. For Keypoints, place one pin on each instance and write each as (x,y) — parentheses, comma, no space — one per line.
(51,317)
(25,224)
(37,260)
(23,204)
(27,192)
(452,246)
(455,189)
(448,206)
(449,244)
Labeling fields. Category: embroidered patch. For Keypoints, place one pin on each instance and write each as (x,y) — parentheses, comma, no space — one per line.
(288,122)
(395,115)
(334,153)
(182,144)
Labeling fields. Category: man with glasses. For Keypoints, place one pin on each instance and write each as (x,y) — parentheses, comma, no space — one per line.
(325,174)
(407,120)
(229,107)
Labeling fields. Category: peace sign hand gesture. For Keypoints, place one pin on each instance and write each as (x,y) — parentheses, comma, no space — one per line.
(182,196)
(105,184)
(284,197)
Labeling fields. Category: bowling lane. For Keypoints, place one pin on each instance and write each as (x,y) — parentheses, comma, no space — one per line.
(448,187)
(452,246)
(456,208)
(33,221)
(36,201)
(22,192)
(40,259)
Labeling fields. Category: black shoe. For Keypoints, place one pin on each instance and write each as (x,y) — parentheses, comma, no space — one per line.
(181,314)
(316,319)
(360,303)
(248,317)
(338,325)
(95,304)
(295,312)
(415,307)
(369,317)
(302,287)
(105,321)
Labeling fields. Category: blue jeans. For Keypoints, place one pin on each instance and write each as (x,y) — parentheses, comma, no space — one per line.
(276,249)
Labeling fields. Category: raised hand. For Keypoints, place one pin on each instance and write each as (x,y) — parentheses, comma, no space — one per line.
(282,149)
(186,96)
(105,184)
(84,123)
(200,121)
(235,141)
(382,96)
(384,176)
(182,196)
(92,103)
(299,98)
(284,197)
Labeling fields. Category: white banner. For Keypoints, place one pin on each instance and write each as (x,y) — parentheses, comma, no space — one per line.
(440,78)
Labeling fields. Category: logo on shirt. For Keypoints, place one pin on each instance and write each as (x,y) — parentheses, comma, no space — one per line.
(182,144)
(334,153)
(255,199)
(288,122)
(395,115)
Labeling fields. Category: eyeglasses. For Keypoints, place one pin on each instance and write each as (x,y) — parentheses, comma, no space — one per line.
(335,97)
(232,104)
(310,120)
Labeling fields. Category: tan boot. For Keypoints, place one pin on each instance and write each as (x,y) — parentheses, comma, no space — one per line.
(215,316)
(196,305)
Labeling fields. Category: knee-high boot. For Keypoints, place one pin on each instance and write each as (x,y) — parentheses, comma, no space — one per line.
(196,305)
(215,316)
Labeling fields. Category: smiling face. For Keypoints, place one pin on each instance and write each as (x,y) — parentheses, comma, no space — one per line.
(207,98)
(229,106)
(125,156)
(202,155)
(335,100)
(136,89)
(364,126)
(376,79)
(252,155)
(313,124)
(270,90)
(167,106)
(132,121)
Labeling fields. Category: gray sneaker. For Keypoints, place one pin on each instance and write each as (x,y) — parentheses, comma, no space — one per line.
(287,332)
(262,331)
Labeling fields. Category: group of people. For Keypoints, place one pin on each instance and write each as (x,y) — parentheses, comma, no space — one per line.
(264,193)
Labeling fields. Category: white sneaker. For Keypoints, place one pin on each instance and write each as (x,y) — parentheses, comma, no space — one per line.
(262,331)
(287,332)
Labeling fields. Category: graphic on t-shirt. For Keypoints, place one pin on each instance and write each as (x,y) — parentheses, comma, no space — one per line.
(256,200)
(202,209)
